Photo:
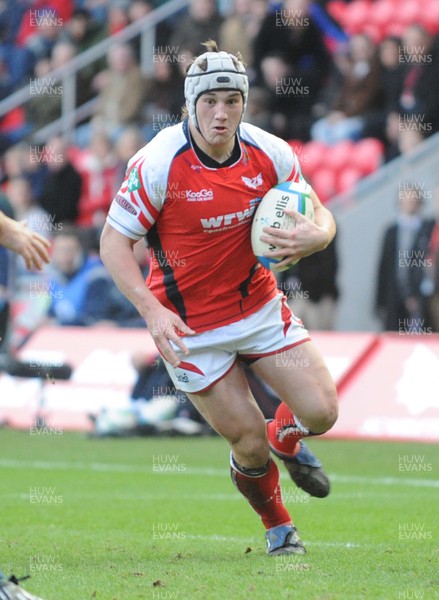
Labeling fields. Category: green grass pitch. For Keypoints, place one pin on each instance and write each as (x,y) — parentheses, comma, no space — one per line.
(158,518)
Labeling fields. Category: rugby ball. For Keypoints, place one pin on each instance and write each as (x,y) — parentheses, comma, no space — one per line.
(270,213)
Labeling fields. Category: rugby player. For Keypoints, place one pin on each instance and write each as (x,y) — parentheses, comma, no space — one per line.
(208,303)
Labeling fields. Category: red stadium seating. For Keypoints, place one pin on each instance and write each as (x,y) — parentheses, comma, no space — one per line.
(324,183)
(347,179)
(367,156)
(339,155)
(382,18)
(336,169)
(314,154)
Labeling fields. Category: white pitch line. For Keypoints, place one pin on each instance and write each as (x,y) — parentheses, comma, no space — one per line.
(247,540)
(181,468)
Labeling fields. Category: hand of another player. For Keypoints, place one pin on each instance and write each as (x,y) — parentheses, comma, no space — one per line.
(166,326)
(33,247)
(304,239)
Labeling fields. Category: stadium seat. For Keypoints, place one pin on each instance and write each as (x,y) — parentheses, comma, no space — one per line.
(347,179)
(367,156)
(338,156)
(356,16)
(408,12)
(313,154)
(324,183)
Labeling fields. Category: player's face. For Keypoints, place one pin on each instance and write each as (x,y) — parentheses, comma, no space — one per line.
(218,115)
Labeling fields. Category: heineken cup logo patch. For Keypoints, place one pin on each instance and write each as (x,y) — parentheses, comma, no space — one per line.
(134,180)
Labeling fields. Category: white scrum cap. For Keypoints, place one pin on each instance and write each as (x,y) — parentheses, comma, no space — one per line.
(223,72)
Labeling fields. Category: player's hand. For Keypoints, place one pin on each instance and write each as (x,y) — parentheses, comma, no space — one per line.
(33,247)
(166,326)
(304,239)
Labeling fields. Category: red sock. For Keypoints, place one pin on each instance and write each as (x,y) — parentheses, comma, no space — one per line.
(285,431)
(262,492)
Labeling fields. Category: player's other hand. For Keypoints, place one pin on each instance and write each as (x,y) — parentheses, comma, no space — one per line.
(166,326)
(33,247)
(304,239)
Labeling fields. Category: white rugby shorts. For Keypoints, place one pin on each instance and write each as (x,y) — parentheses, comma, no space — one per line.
(212,354)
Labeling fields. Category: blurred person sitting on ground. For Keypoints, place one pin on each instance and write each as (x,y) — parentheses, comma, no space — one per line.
(359,94)
(33,250)
(71,274)
(62,186)
(108,305)
(400,301)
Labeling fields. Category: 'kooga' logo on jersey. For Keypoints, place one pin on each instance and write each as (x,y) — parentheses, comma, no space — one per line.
(227,220)
(201,196)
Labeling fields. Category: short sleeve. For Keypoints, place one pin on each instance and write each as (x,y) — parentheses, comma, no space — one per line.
(138,202)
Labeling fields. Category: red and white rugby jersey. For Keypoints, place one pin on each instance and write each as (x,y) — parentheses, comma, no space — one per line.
(198,219)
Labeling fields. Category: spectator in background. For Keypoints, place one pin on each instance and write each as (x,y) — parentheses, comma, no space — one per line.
(138,9)
(358,96)
(108,305)
(163,101)
(202,23)
(292,32)
(399,298)
(431,284)
(390,77)
(16,64)
(29,308)
(6,213)
(402,137)
(117,15)
(419,98)
(62,186)
(289,103)
(238,31)
(72,274)
(46,95)
(15,161)
(25,207)
(43,19)
(98,168)
(121,91)
(84,32)
(44,32)
(311,289)
(258,108)
(129,141)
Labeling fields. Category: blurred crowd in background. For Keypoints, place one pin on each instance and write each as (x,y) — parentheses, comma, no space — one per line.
(334,92)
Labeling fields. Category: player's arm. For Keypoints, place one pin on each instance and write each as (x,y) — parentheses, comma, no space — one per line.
(306,238)
(117,255)
(30,245)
